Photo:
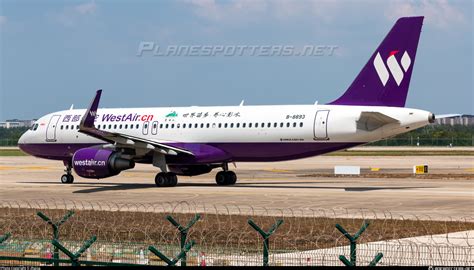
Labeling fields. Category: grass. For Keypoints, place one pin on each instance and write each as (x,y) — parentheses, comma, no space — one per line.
(11,153)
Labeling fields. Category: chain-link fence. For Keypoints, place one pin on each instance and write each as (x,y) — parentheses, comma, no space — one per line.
(223,236)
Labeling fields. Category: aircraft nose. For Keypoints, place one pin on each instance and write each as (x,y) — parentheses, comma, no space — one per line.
(22,142)
(22,139)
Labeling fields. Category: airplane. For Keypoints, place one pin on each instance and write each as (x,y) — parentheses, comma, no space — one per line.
(99,143)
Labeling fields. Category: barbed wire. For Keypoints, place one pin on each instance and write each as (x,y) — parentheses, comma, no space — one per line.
(307,236)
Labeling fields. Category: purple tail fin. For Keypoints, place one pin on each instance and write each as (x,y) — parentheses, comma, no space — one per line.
(385,79)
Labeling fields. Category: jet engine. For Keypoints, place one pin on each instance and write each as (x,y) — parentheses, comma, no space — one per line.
(99,163)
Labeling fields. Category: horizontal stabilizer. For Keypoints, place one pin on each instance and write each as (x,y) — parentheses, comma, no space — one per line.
(370,121)
(441,116)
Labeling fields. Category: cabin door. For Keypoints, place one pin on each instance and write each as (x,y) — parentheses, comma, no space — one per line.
(51,129)
(321,125)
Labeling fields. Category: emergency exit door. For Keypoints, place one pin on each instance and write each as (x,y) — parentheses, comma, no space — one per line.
(321,125)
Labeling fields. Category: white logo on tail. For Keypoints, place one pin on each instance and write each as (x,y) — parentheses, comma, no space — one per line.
(393,66)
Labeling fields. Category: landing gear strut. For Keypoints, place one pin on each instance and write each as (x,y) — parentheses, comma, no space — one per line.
(226,177)
(163,179)
(67,178)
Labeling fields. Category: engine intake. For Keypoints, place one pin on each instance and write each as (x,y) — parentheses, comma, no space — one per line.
(431,118)
(99,163)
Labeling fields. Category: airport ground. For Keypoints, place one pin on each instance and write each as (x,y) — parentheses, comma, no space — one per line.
(447,192)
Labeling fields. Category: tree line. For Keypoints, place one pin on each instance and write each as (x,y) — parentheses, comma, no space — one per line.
(10,136)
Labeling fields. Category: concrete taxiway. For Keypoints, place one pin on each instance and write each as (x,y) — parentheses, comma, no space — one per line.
(447,192)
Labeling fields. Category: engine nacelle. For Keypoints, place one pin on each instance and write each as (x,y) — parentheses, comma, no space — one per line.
(99,163)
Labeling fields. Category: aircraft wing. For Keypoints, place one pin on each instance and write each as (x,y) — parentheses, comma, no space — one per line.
(87,127)
(440,116)
(373,120)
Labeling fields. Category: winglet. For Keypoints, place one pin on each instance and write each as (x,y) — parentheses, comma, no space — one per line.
(89,117)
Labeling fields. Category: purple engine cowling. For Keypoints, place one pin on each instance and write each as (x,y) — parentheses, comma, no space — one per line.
(99,163)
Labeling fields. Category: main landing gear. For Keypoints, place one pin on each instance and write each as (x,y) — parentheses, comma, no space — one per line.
(163,179)
(226,177)
(67,178)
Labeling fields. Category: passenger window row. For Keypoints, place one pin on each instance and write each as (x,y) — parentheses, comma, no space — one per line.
(115,126)
(71,127)
(195,125)
(119,126)
(231,125)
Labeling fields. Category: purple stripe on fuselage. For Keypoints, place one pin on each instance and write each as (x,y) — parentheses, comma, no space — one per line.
(53,151)
(209,152)
(279,151)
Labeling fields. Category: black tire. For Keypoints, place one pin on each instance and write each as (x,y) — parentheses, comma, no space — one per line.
(161,180)
(172,179)
(64,179)
(67,179)
(231,178)
(221,178)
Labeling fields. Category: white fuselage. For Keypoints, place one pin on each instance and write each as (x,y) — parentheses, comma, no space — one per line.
(229,124)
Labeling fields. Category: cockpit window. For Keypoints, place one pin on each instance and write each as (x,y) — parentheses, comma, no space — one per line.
(34,127)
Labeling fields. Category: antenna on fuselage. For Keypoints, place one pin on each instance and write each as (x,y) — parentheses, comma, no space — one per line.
(242,102)
(72,107)
(316,102)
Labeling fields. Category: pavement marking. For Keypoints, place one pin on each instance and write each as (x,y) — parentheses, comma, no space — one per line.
(277,170)
(36,168)
(5,168)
